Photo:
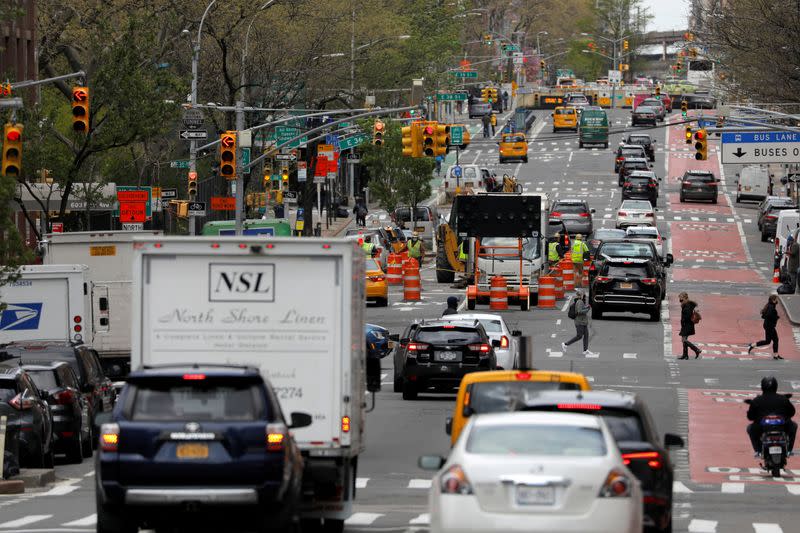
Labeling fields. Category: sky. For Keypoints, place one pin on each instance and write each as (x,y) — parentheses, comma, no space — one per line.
(668,14)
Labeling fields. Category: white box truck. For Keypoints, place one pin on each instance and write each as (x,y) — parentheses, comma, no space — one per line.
(109,257)
(291,307)
(46,302)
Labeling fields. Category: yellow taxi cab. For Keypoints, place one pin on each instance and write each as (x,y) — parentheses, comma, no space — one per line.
(565,118)
(513,146)
(377,287)
(498,391)
(464,134)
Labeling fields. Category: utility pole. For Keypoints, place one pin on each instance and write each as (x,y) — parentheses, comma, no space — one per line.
(239,183)
(615,60)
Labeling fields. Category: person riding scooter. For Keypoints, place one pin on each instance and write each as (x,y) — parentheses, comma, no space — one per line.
(769,402)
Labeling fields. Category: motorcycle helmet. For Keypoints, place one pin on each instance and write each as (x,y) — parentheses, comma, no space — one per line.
(769,384)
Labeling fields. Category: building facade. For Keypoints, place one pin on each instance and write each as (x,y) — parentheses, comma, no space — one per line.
(18,43)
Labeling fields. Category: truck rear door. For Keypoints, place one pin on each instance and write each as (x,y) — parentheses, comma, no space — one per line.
(37,308)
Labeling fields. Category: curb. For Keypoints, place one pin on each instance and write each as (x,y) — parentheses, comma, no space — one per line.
(12,486)
(791,306)
(36,477)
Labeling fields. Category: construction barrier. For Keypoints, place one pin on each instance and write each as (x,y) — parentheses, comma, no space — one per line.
(412,291)
(558,276)
(498,293)
(547,292)
(776,275)
(569,273)
(586,266)
(394,269)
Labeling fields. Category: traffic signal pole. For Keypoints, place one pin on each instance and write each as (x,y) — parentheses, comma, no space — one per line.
(239,171)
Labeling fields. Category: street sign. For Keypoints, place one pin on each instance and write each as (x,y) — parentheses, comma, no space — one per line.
(451,97)
(284,133)
(457,171)
(614,76)
(290,197)
(193,118)
(187,135)
(57,227)
(761,147)
(456,135)
(132,226)
(511,48)
(319,179)
(245,157)
(197,209)
(465,73)
(133,196)
(133,211)
(352,142)
(223,203)
(353,159)
(181,163)
(302,171)
(146,201)
(169,193)
(285,157)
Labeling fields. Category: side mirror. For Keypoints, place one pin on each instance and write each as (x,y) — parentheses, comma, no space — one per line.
(394,337)
(300,420)
(670,259)
(496,344)
(670,439)
(516,333)
(430,462)
(448,426)
(591,210)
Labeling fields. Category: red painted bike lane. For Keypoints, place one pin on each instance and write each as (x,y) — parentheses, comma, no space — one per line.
(719,449)
(710,242)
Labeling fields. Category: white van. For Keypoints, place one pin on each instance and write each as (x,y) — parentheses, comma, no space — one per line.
(788,221)
(753,182)
(472,178)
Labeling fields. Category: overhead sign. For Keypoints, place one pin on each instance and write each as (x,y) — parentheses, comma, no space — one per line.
(451,97)
(465,73)
(139,190)
(180,163)
(761,147)
(197,209)
(223,203)
(352,142)
(188,135)
(133,211)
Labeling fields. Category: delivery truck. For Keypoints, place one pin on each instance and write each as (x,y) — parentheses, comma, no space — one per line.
(45,302)
(109,258)
(292,308)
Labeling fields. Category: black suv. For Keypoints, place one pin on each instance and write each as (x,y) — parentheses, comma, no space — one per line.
(633,428)
(631,164)
(438,354)
(59,386)
(625,151)
(643,140)
(641,185)
(209,437)
(97,390)
(611,249)
(35,423)
(627,285)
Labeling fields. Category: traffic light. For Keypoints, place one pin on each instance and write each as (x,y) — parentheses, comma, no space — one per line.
(227,155)
(378,129)
(485,94)
(684,107)
(80,109)
(285,175)
(267,172)
(191,186)
(441,142)
(542,64)
(12,150)
(412,140)
(492,94)
(428,138)
(625,45)
(688,135)
(693,53)
(701,145)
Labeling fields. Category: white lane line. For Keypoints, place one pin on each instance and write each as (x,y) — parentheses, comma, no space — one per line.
(362,519)
(678,486)
(60,490)
(361,482)
(570,156)
(25,520)
(555,354)
(423,519)
(732,488)
(794,490)
(766,528)
(419,483)
(629,356)
(702,526)
(86,521)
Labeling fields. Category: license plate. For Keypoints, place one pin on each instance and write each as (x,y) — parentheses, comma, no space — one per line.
(626,285)
(747,187)
(527,495)
(192,451)
(419,229)
(448,356)
(775,449)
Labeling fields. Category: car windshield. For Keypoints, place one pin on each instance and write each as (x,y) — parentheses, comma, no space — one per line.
(627,271)
(645,109)
(44,357)
(602,234)
(631,151)
(530,247)
(7,390)
(626,249)
(448,335)
(504,396)
(651,103)
(536,439)
(638,180)
(196,402)
(44,379)
(421,214)
(707,178)
(642,205)
(644,233)
(624,425)
(565,111)
(636,165)
(638,140)
(514,138)
(570,209)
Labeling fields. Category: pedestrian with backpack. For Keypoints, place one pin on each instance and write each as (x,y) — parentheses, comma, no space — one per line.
(689,317)
(770,315)
(578,310)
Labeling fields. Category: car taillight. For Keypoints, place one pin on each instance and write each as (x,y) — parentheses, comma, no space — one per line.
(648,281)
(653,458)
(19,403)
(504,342)
(482,348)
(686,183)
(617,485)
(585,215)
(602,279)
(345,424)
(622,214)
(454,481)
(555,214)
(523,376)
(626,184)
(377,278)
(77,328)
(620,159)
(64,397)
(276,437)
(651,185)
(194,377)
(580,406)
(650,215)
(109,437)
(417,346)
(770,217)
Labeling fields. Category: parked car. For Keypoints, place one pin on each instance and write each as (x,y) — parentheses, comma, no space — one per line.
(643,451)
(768,202)
(209,437)
(625,151)
(641,186)
(635,212)
(644,115)
(644,140)
(627,285)
(60,388)
(574,213)
(511,471)
(632,164)
(699,185)
(35,424)
(496,328)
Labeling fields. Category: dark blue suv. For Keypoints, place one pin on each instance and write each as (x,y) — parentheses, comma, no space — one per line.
(198,444)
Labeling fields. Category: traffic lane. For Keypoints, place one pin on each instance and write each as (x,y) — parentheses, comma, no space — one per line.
(709,242)
(67,505)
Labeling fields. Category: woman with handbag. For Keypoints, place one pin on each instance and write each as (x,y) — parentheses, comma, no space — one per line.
(689,317)
(770,315)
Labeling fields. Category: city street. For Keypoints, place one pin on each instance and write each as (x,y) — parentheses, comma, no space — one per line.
(719,261)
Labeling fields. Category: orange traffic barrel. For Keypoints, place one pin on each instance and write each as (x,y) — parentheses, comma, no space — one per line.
(404,255)
(410,261)
(586,265)
(498,293)
(394,270)
(412,290)
(558,276)
(547,292)
(569,274)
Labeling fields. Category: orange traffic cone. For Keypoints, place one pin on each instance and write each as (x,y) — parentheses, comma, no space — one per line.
(776,275)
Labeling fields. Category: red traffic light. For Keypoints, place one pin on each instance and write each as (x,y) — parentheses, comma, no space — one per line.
(13,135)
(379,125)
(228,141)
(428,130)
(700,135)
(80,94)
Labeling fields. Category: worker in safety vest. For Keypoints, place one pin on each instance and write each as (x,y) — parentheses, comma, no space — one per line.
(555,251)
(416,250)
(368,246)
(463,256)
(579,250)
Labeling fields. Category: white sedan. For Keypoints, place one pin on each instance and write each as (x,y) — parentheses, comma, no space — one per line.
(497,330)
(636,213)
(530,472)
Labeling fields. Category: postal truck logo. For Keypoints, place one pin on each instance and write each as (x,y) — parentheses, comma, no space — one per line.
(241,282)
(17,317)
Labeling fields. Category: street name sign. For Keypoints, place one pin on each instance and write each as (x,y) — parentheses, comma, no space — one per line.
(465,73)
(352,142)
(188,135)
(451,97)
(169,193)
(285,157)
(761,147)
(180,163)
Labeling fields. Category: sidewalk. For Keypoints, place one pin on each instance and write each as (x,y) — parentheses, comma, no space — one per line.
(791,306)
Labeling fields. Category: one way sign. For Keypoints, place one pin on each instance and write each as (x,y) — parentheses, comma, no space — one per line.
(188,135)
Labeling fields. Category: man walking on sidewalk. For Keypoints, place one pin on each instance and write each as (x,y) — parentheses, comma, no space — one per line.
(579,312)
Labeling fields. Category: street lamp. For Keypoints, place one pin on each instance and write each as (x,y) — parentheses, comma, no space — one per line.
(538,46)
(614,58)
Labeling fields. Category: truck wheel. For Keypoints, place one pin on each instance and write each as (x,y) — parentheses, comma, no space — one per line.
(605,145)
(533,299)
(471,304)
(444,271)
(382,302)
(714,201)
(580,144)
(310,525)
(682,199)
(655,314)
(86,446)
(333,526)
(409,391)
(597,312)
(525,159)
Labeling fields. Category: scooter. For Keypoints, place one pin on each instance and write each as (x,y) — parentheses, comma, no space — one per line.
(774,443)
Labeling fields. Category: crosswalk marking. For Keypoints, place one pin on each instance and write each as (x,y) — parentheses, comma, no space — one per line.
(732,488)
(678,486)
(86,521)
(419,483)
(361,482)
(26,520)
(629,356)
(362,519)
(422,519)
(793,489)
(767,528)
(702,526)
